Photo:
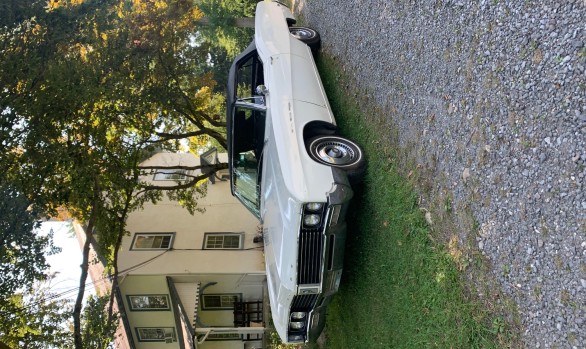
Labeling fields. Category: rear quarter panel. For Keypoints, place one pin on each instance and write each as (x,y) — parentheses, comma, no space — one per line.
(290,71)
(271,29)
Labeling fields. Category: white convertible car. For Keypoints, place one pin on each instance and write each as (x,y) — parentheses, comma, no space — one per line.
(290,168)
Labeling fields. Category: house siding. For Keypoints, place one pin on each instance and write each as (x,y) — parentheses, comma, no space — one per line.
(186,263)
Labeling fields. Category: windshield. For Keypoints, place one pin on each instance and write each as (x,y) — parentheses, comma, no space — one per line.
(248,142)
(247,127)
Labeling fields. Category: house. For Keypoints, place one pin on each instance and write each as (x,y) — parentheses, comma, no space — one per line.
(191,281)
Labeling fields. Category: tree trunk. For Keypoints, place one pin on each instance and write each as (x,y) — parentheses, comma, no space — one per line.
(121,232)
(77,339)
(4,345)
(242,22)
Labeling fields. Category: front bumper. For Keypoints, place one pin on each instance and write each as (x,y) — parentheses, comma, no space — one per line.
(314,298)
(331,279)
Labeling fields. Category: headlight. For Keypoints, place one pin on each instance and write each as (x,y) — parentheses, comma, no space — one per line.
(298,315)
(296,338)
(296,325)
(311,220)
(314,206)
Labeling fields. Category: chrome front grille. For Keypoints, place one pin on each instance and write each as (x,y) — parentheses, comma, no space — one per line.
(310,256)
(303,303)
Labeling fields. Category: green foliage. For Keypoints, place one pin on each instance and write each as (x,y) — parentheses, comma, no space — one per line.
(275,342)
(186,197)
(35,318)
(22,250)
(89,88)
(222,35)
(15,11)
(98,327)
(222,13)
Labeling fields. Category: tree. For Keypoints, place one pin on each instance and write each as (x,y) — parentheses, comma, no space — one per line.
(99,327)
(22,250)
(225,30)
(90,89)
(35,318)
(15,11)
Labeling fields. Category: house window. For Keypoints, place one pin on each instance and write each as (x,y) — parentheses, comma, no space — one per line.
(222,241)
(224,337)
(152,241)
(156,334)
(170,175)
(149,302)
(224,301)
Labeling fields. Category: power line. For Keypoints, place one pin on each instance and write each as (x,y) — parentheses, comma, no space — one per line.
(62,294)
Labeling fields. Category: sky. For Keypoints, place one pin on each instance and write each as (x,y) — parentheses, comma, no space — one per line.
(66,263)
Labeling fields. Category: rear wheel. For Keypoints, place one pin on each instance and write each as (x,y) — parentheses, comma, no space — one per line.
(338,152)
(307,35)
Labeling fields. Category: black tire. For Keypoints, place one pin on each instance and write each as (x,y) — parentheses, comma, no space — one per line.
(306,35)
(336,151)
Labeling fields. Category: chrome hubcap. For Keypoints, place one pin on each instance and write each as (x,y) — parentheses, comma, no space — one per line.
(301,33)
(335,153)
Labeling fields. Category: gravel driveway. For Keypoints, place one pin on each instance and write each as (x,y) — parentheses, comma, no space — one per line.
(489,97)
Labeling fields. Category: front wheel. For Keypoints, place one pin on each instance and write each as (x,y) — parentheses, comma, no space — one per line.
(307,35)
(337,152)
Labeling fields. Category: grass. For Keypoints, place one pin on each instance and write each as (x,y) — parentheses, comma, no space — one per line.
(400,288)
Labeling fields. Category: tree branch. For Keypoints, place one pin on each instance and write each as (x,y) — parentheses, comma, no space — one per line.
(216,167)
(210,132)
(192,110)
(185,185)
(168,136)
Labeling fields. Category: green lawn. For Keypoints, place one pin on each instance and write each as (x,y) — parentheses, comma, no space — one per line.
(399,289)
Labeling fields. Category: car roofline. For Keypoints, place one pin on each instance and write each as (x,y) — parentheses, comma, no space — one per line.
(231,102)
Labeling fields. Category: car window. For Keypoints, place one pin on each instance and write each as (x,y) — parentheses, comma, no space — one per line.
(248,143)
(249,76)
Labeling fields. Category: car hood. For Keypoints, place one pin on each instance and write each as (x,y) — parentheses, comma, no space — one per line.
(281,220)
(290,179)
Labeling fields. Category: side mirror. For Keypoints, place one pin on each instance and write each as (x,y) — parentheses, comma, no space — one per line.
(262,90)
